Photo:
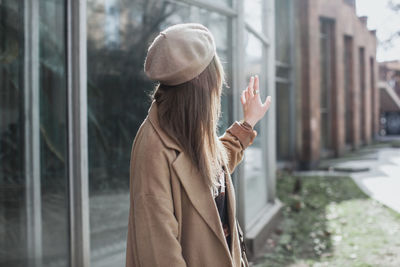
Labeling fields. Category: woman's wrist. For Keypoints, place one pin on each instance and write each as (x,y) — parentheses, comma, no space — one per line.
(246,124)
(244,132)
(249,122)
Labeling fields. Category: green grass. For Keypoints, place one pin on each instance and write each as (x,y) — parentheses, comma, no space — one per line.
(331,222)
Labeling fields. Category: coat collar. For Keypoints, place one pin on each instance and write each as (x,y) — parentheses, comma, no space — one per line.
(198,191)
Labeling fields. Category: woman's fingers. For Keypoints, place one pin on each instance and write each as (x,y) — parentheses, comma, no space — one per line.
(247,94)
(256,83)
(254,109)
(243,98)
(267,103)
(257,88)
(251,86)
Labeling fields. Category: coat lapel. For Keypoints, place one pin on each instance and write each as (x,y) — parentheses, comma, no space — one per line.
(197,190)
(199,194)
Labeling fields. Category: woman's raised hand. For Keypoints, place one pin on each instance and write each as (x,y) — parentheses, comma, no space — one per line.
(253,108)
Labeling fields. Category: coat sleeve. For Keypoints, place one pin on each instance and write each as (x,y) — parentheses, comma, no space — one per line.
(236,139)
(153,227)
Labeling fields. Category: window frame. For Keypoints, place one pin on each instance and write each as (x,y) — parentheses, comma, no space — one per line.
(77,113)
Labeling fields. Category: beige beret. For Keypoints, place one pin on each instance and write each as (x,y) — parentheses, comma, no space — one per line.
(179,53)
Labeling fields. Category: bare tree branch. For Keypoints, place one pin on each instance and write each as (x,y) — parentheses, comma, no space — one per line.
(394,5)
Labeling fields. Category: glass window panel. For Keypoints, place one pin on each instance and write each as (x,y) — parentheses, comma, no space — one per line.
(282,33)
(361,58)
(218,25)
(327,67)
(283,72)
(255,175)
(283,120)
(13,224)
(52,212)
(348,86)
(118,102)
(219,2)
(253,13)
(372,88)
(53,133)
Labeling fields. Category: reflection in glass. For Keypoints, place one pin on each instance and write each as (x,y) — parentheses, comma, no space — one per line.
(12,176)
(282,33)
(227,2)
(17,207)
(252,13)
(283,120)
(53,129)
(218,25)
(255,180)
(118,102)
(219,2)
(283,82)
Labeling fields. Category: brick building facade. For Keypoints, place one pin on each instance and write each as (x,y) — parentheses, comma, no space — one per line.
(334,80)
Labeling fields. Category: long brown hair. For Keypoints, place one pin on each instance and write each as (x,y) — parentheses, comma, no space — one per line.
(189,113)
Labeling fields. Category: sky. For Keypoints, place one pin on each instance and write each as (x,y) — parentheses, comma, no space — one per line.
(385,21)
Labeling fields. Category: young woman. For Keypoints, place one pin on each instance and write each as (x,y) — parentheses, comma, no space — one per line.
(182,201)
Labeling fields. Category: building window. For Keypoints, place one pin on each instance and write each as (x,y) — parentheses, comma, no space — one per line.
(34,215)
(118,102)
(253,14)
(348,87)
(285,115)
(361,55)
(13,233)
(43,149)
(372,95)
(255,182)
(327,56)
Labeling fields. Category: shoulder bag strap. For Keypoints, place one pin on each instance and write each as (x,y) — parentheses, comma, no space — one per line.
(244,260)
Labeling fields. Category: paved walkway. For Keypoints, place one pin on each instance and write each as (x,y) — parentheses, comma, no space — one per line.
(382,180)
(375,170)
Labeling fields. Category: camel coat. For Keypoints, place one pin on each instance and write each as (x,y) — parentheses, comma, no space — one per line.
(173,219)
